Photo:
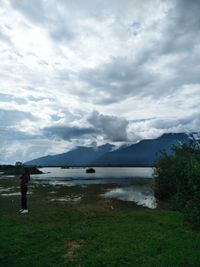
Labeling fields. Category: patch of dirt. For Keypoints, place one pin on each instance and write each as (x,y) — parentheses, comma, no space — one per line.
(72,247)
(68,199)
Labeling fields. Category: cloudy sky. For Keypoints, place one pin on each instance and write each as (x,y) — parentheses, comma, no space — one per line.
(94,71)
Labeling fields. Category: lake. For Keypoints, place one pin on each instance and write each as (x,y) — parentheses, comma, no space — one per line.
(130,182)
(101,172)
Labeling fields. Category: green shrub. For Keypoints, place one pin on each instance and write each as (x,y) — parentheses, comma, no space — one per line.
(192,212)
(177,180)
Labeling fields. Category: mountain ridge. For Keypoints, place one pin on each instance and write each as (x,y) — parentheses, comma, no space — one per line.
(141,154)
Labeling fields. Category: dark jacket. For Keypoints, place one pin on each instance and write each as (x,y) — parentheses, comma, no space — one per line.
(25,178)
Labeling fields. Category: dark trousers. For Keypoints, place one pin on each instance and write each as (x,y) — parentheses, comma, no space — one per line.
(23,197)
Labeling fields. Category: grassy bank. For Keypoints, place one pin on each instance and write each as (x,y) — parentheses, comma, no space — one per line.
(74,226)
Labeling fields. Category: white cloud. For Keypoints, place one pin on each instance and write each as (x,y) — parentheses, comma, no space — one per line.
(135,62)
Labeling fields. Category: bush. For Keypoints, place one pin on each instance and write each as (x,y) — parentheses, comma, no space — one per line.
(192,212)
(177,180)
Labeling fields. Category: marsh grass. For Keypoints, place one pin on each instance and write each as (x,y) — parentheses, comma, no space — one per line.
(92,232)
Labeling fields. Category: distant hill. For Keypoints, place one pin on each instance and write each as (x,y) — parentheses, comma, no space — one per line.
(143,153)
(81,156)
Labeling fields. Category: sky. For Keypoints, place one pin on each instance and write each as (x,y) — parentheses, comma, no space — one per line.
(82,72)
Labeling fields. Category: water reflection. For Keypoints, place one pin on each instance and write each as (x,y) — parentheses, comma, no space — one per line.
(132,183)
(129,187)
(108,172)
(141,195)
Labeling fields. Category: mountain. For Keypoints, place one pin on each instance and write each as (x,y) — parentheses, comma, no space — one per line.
(81,156)
(143,153)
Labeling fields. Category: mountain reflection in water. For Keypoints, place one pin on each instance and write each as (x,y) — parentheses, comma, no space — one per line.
(141,195)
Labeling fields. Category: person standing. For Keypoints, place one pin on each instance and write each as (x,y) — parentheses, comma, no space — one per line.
(25,178)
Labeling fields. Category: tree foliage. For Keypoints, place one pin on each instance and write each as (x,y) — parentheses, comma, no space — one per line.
(177,180)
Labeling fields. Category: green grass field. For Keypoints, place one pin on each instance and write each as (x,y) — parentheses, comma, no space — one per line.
(85,229)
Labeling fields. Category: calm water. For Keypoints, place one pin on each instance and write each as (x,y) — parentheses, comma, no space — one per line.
(127,188)
(107,173)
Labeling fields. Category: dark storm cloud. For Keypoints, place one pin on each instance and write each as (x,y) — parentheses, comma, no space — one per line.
(189,123)
(164,66)
(181,37)
(111,127)
(68,133)
(118,79)
(188,15)
(183,28)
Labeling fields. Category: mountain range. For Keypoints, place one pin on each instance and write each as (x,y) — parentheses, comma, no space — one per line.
(143,153)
